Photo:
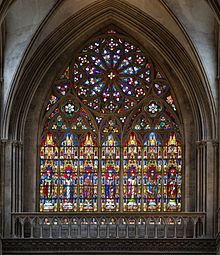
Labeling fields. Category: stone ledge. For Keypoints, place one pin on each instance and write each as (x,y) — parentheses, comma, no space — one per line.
(104,246)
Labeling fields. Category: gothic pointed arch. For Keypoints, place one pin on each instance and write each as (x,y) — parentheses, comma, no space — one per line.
(111,112)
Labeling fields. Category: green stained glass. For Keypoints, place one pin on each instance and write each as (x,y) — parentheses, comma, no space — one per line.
(163,123)
(153,108)
(70,108)
(170,101)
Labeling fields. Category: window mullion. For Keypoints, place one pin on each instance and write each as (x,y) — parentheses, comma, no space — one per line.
(121,176)
(99,193)
(142,179)
(78,181)
(58,184)
(162,188)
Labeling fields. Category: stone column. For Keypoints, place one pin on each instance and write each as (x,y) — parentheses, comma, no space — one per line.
(218,134)
(11,186)
(207,182)
(212,158)
(200,176)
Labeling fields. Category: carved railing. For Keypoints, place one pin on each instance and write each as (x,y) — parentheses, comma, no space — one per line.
(108,225)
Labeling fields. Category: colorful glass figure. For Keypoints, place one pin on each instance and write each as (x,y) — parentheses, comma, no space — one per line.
(69,173)
(88,180)
(49,174)
(132,175)
(68,188)
(110,175)
(172,157)
(48,186)
(110,126)
(59,124)
(152,175)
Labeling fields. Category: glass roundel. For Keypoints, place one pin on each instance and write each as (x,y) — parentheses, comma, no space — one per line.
(111,74)
(111,140)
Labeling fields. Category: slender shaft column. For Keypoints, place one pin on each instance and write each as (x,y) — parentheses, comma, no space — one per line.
(218,135)
(206,183)
(6,185)
(11,164)
(212,148)
(201,181)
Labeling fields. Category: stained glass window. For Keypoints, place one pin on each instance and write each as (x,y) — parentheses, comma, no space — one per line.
(111,137)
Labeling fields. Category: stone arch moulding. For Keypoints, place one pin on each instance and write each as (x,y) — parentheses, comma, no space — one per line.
(33,84)
(147,31)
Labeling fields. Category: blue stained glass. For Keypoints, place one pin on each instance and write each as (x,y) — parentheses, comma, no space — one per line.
(106,94)
(97,61)
(93,93)
(92,70)
(63,88)
(128,70)
(136,69)
(111,106)
(115,59)
(131,81)
(107,57)
(92,81)
(99,87)
(116,94)
(160,88)
(126,89)
(70,140)
(125,63)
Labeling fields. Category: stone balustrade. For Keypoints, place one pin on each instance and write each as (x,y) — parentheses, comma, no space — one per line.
(108,225)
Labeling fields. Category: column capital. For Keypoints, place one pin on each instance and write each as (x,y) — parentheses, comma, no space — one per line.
(201,143)
(205,142)
(9,141)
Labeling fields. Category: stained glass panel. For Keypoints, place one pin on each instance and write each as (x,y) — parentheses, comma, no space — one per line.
(88,179)
(69,173)
(172,157)
(111,136)
(49,174)
(110,175)
(152,174)
(132,175)
(62,88)
(52,100)
(142,123)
